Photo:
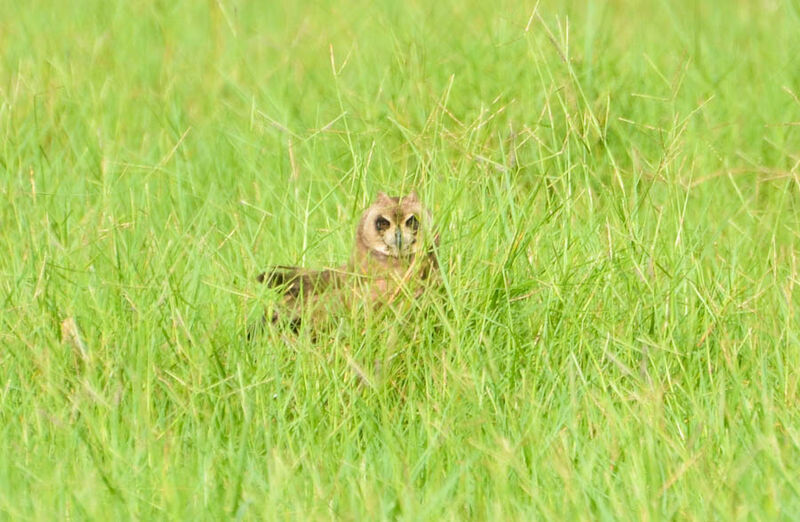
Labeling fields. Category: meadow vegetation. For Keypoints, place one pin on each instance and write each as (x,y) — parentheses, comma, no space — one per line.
(617,189)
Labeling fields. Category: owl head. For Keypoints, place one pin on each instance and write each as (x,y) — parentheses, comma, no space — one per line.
(391,226)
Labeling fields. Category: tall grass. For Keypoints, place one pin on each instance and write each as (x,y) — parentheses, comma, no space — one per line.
(616,187)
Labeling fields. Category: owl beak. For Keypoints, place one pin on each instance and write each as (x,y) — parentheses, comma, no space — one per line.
(398,239)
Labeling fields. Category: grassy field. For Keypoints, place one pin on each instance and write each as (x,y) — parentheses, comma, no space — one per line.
(617,188)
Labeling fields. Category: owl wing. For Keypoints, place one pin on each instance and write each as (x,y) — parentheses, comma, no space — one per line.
(295,281)
(303,289)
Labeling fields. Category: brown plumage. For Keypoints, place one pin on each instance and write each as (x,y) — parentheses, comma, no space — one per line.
(390,257)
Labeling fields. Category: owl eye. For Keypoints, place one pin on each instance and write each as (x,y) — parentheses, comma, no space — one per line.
(381,224)
(412,223)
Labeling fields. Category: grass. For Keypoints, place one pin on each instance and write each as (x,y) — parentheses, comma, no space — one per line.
(616,185)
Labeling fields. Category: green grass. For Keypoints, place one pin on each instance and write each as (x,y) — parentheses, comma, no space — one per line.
(617,186)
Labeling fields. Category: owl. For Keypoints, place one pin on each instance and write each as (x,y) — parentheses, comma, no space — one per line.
(391,257)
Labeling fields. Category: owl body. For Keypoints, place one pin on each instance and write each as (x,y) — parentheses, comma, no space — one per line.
(388,260)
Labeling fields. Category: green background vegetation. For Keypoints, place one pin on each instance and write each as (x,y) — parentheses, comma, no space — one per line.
(616,185)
